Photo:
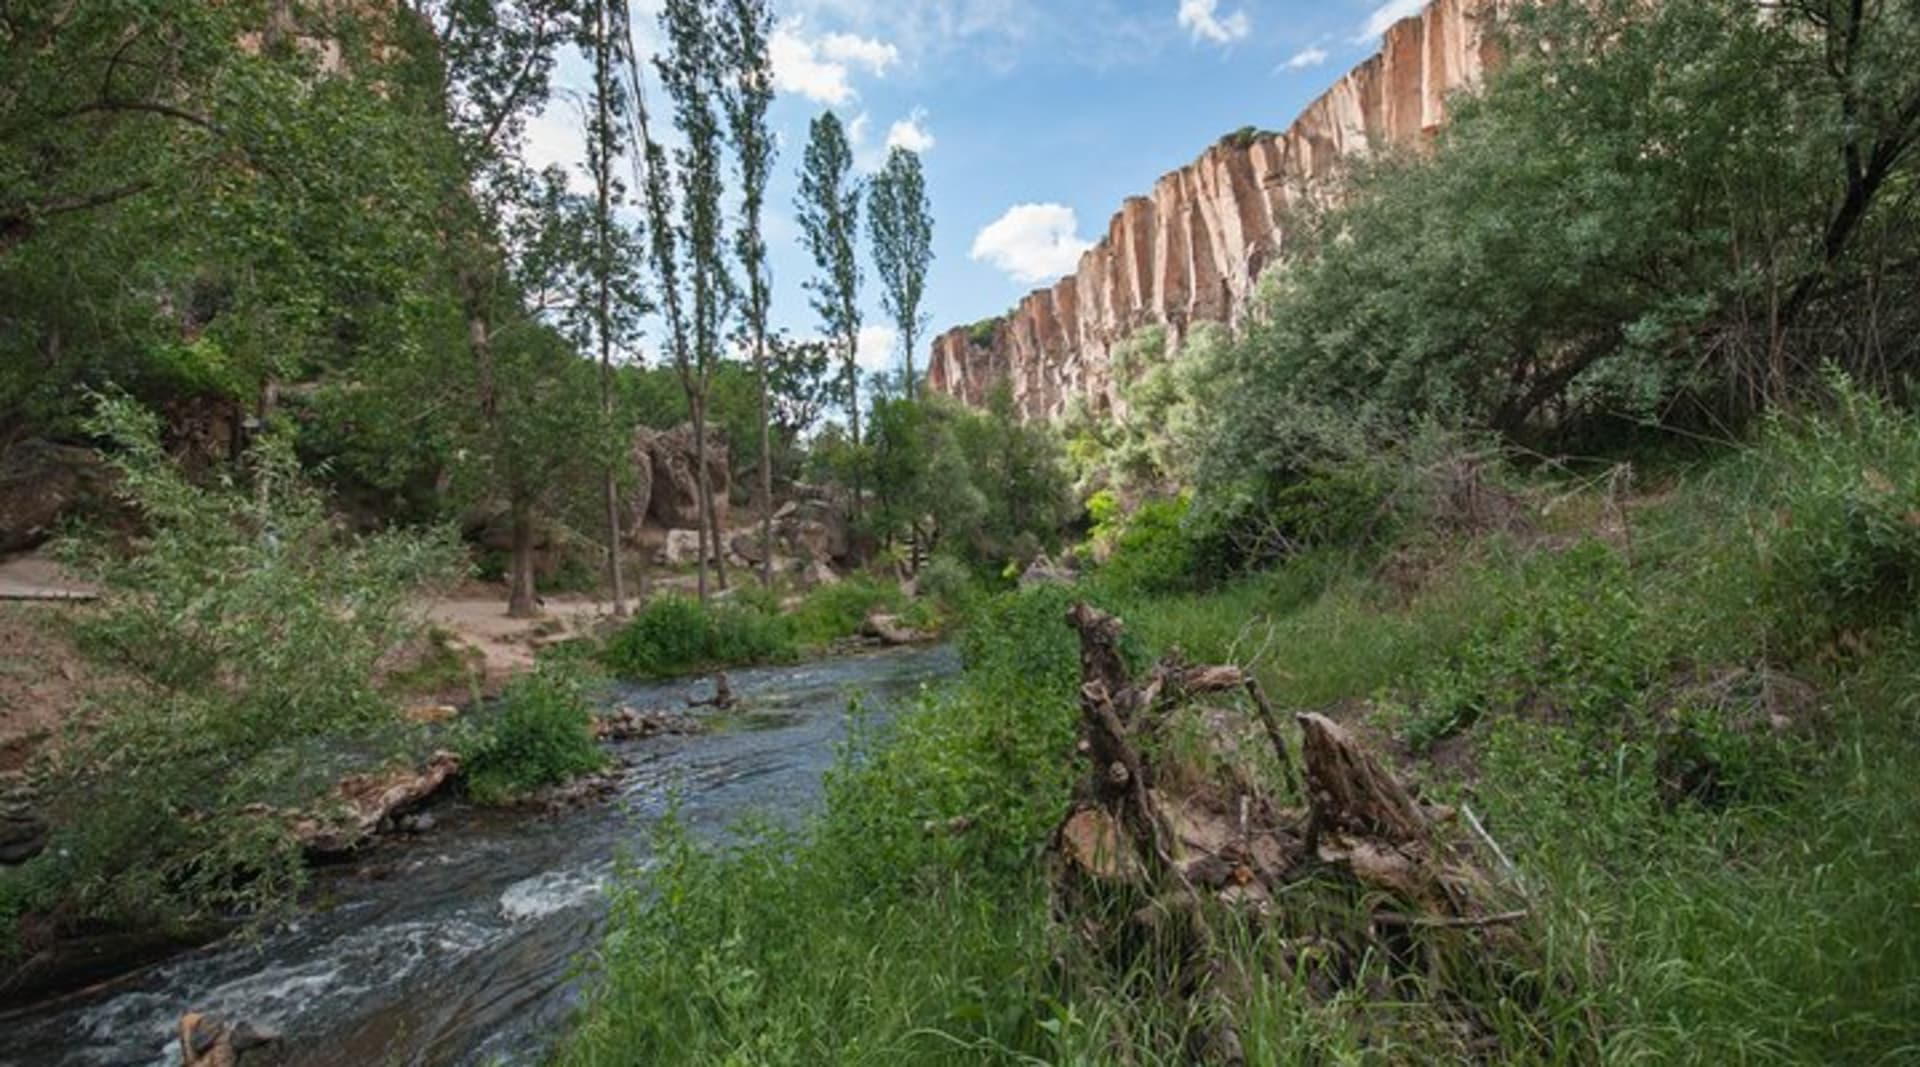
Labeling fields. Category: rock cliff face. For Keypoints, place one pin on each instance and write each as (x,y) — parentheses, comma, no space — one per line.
(1192,251)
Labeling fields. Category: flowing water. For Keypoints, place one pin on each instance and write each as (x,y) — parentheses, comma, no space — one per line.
(461,946)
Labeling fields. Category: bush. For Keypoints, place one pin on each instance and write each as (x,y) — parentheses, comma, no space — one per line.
(831,612)
(539,734)
(673,636)
(1150,550)
(252,631)
(1841,551)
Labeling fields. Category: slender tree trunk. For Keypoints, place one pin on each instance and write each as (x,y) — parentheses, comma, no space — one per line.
(709,513)
(766,461)
(521,599)
(603,222)
(906,335)
(853,420)
(696,406)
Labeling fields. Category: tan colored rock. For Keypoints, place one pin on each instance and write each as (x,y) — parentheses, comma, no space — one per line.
(1193,250)
(673,497)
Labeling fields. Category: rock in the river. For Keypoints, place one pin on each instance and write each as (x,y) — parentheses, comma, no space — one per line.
(364,801)
(890,630)
(206,1041)
(636,724)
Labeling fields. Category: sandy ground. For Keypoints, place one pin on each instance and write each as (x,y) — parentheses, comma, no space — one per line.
(506,646)
(43,679)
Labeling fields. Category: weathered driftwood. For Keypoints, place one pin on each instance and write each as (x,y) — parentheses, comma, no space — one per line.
(1163,845)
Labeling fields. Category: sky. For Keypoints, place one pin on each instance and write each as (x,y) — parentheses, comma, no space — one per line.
(1034,119)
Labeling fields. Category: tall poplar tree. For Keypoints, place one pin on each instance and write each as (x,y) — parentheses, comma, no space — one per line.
(748,26)
(829,213)
(690,72)
(900,224)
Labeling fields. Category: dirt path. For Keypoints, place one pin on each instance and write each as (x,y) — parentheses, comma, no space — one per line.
(507,646)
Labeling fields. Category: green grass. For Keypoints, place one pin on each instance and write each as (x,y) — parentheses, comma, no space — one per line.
(675,636)
(1772,920)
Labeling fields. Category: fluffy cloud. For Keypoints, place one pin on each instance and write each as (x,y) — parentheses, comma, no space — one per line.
(820,69)
(1032,242)
(878,342)
(1202,19)
(1385,16)
(911,133)
(1311,56)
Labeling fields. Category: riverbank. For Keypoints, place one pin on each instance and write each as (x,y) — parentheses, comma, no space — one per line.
(1681,718)
(457,946)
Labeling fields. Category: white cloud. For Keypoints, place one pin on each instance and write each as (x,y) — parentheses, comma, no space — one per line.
(821,69)
(557,137)
(1201,18)
(1032,242)
(1311,56)
(857,129)
(878,342)
(1385,16)
(849,48)
(911,133)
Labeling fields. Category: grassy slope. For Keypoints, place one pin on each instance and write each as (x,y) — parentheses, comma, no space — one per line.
(1778,924)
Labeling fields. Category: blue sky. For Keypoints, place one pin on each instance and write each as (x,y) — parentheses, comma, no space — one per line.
(1035,118)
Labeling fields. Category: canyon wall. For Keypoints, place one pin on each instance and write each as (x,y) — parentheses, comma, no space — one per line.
(1192,251)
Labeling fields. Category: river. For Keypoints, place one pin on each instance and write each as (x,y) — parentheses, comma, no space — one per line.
(463,945)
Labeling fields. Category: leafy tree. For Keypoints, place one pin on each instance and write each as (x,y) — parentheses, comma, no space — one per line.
(695,298)
(747,30)
(900,223)
(829,214)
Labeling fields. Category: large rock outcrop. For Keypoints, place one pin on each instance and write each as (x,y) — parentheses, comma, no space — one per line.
(1192,251)
(666,493)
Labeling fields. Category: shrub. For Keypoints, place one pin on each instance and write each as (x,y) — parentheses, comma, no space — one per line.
(539,734)
(831,612)
(253,631)
(674,635)
(1841,550)
(1149,550)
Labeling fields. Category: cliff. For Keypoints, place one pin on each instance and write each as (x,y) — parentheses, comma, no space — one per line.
(1192,251)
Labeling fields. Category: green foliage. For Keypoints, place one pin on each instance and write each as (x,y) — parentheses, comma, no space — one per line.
(979,484)
(1568,642)
(540,733)
(1595,240)
(1840,551)
(980,334)
(1149,550)
(900,222)
(251,629)
(673,636)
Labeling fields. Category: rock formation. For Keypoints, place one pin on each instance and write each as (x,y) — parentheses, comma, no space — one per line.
(665,490)
(1193,250)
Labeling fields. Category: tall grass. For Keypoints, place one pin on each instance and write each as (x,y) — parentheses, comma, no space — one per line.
(1771,921)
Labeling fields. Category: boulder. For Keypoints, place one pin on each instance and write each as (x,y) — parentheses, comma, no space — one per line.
(636,501)
(890,630)
(40,483)
(682,549)
(1044,571)
(818,573)
(206,1041)
(674,491)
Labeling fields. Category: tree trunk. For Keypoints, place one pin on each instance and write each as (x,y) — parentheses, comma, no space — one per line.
(853,420)
(521,597)
(906,336)
(603,220)
(696,406)
(766,463)
(709,515)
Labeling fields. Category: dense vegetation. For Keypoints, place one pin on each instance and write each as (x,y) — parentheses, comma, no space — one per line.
(1674,676)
